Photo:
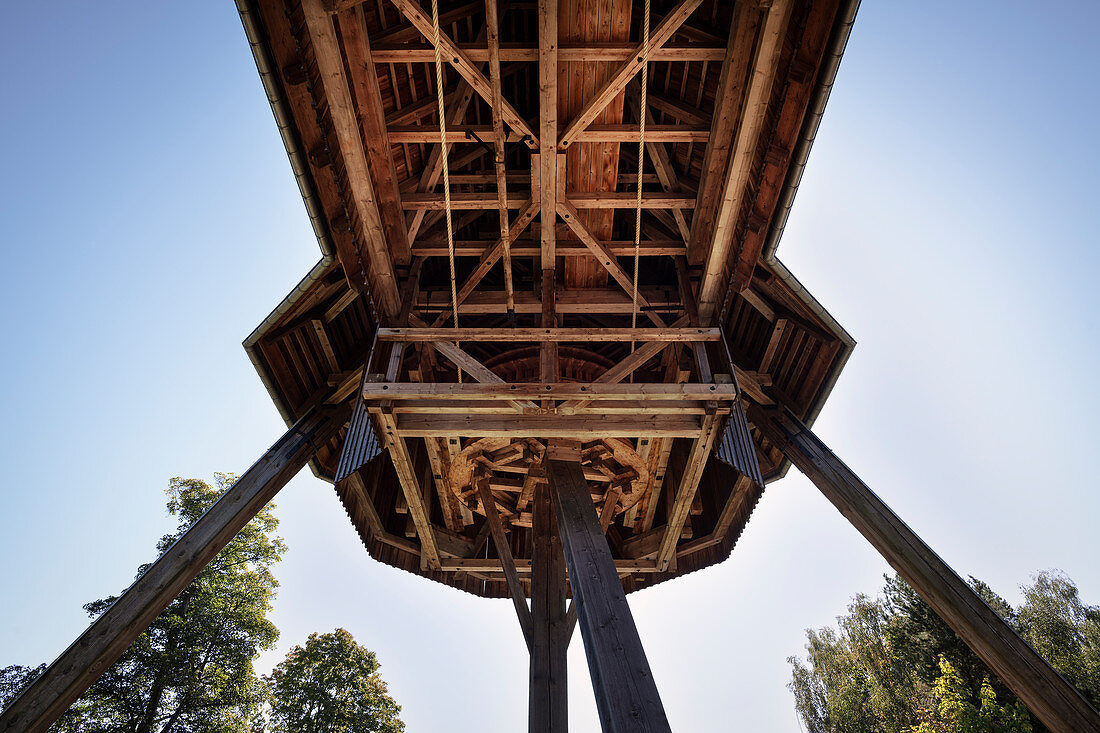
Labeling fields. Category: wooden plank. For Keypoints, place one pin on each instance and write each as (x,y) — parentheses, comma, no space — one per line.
(603,335)
(529,248)
(614,52)
(1059,705)
(604,257)
(475,201)
(368,97)
(490,256)
(690,474)
(344,114)
(475,369)
(549,426)
(637,391)
(433,169)
(458,133)
(410,488)
(666,174)
(507,562)
(525,566)
(627,366)
(492,26)
(628,200)
(589,301)
(465,67)
(51,694)
(626,695)
(626,71)
(654,133)
(732,191)
(548,706)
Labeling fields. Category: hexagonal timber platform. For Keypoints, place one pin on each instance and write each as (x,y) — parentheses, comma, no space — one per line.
(548,352)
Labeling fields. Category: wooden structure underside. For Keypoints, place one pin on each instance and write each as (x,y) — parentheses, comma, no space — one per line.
(731,96)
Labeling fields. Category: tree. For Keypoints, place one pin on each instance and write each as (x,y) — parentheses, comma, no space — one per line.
(331,685)
(893,666)
(956,711)
(191,670)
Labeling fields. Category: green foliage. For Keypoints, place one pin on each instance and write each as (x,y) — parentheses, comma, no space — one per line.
(956,711)
(331,685)
(191,670)
(893,666)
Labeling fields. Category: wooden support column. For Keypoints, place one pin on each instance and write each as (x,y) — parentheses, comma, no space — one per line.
(626,694)
(107,638)
(548,708)
(1059,705)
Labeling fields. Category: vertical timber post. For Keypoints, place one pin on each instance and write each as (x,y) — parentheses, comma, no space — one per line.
(1057,703)
(549,704)
(108,637)
(626,694)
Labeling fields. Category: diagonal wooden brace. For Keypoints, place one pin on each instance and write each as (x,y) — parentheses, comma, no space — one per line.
(107,638)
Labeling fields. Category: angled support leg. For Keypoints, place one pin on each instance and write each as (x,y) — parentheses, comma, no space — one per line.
(626,694)
(549,703)
(109,635)
(1054,701)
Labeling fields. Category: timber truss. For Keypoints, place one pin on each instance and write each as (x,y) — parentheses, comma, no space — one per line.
(549,354)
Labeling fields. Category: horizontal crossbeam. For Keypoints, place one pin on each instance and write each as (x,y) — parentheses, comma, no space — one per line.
(465,201)
(613,52)
(481,134)
(578,427)
(551,391)
(561,335)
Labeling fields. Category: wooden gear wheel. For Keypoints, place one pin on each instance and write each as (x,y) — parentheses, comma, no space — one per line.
(617,476)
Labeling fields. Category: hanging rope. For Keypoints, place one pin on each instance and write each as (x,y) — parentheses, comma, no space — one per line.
(446,171)
(641,161)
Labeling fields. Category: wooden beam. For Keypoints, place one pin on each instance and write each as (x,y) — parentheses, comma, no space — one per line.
(410,488)
(626,695)
(475,369)
(588,302)
(525,566)
(618,80)
(51,694)
(1059,705)
(490,256)
(628,200)
(492,26)
(465,67)
(530,248)
(666,174)
(456,133)
(626,367)
(690,474)
(433,168)
(613,52)
(604,257)
(548,704)
(581,427)
(363,80)
(474,201)
(461,133)
(603,335)
(732,189)
(507,562)
(634,392)
(344,114)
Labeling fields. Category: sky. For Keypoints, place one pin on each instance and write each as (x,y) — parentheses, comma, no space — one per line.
(149,221)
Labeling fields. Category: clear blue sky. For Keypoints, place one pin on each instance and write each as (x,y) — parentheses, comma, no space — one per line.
(149,221)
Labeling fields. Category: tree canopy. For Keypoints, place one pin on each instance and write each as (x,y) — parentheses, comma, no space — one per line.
(192,670)
(892,666)
(331,685)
